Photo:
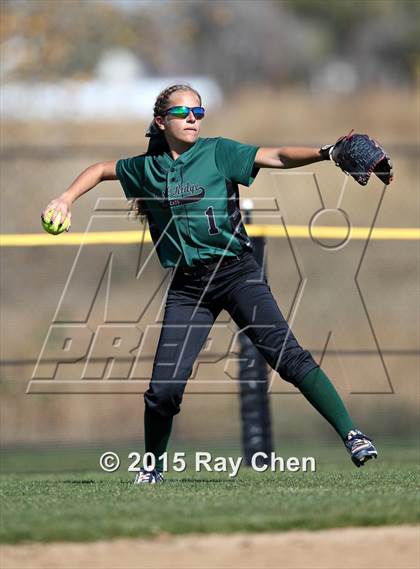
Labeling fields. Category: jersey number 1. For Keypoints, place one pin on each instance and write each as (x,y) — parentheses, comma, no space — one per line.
(212,223)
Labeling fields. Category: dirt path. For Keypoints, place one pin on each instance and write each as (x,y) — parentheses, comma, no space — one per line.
(350,548)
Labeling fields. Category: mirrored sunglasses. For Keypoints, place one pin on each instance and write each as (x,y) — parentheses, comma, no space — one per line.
(181,112)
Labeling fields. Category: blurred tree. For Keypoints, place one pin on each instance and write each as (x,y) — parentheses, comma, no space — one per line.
(381,37)
(66,38)
(234,41)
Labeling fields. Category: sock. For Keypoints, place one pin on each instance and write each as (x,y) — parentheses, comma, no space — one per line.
(321,393)
(157,430)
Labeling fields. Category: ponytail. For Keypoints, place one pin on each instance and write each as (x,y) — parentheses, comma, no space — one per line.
(157,143)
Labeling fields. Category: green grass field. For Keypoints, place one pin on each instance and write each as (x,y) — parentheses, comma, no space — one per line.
(63,495)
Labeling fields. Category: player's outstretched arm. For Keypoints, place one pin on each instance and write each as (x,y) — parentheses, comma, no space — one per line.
(87,180)
(287,157)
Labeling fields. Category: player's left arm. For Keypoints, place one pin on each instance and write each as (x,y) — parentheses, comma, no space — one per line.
(287,157)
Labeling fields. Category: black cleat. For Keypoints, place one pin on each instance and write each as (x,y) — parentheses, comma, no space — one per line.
(360,447)
(148,477)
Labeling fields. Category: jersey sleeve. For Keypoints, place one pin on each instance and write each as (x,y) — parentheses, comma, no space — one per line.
(236,161)
(129,173)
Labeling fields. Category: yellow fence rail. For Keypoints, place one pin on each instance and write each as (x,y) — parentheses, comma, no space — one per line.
(294,231)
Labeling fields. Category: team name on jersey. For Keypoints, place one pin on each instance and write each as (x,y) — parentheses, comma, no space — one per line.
(183,193)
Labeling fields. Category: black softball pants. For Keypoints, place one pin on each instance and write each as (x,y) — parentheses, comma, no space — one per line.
(192,306)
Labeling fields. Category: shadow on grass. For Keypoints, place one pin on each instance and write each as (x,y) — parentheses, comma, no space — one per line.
(80,481)
(131,483)
(201,480)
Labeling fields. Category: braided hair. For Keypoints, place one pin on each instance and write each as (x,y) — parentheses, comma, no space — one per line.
(158,142)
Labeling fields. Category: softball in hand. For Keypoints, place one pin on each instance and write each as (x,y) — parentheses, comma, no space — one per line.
(56,227)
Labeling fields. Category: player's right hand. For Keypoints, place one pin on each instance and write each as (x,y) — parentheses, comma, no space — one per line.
(60,206)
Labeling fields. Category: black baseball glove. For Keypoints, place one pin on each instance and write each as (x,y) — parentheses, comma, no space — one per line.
(358,155)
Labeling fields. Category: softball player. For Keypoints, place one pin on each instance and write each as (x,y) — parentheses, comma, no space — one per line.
(187,187)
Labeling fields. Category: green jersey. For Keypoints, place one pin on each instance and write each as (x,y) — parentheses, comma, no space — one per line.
(192,203)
